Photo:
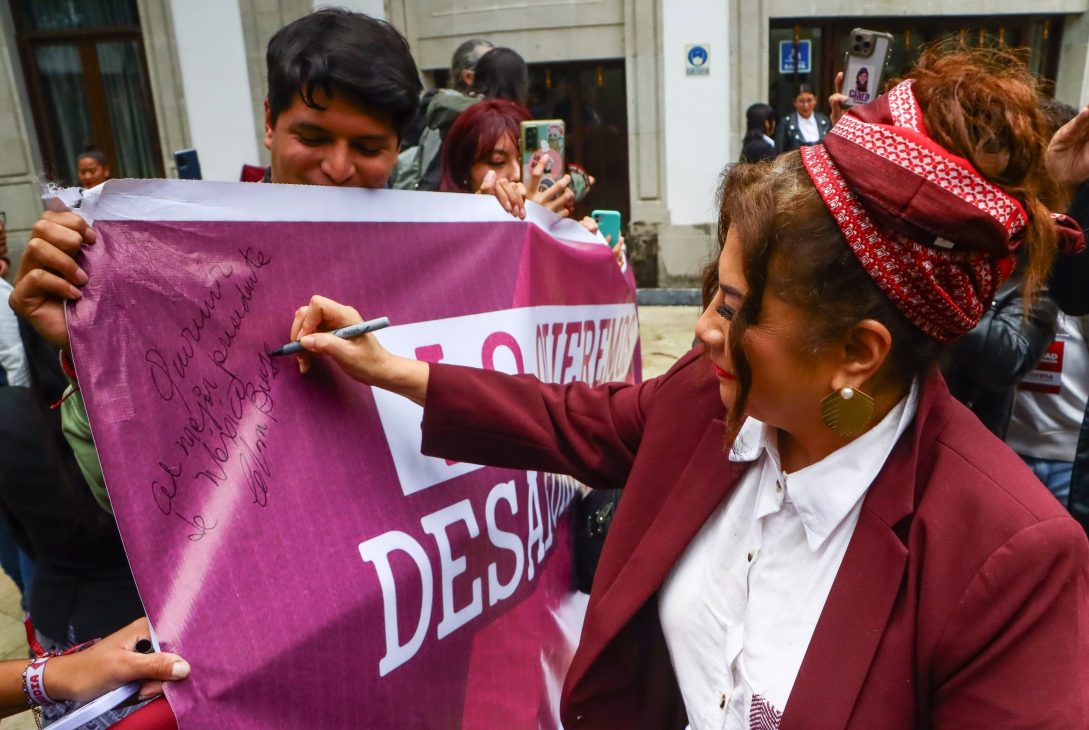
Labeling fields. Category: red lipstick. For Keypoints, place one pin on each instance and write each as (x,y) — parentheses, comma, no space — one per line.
(723,374)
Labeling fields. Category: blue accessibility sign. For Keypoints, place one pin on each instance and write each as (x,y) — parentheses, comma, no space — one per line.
(795,56)
(698,59)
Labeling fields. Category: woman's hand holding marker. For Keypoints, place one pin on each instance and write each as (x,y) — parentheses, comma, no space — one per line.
(362,358)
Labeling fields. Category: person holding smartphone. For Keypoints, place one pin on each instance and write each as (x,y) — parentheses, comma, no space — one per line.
(481,155)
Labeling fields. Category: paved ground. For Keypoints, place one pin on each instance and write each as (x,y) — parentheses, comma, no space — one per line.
(12,642)
(666,334)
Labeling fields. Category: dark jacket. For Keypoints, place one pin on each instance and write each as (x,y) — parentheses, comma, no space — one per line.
(756,148)
(1078,501)
(984,367)
(962,600)
(420,167)
(1070,286)
(1070,280)
(789,137)
(82,578)
(1070,277)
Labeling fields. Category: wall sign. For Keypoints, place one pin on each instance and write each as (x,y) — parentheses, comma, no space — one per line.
(787,62)
(698,59)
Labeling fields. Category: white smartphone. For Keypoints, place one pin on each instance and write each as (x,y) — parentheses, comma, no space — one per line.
(864,68)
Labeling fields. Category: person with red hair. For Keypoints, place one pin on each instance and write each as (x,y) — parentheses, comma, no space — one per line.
(480,155)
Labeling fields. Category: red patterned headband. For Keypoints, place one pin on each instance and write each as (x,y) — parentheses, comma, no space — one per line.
(935,235)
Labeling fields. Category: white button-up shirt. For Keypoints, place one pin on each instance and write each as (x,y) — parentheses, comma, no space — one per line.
(12,357)
(739,608)
(811,131)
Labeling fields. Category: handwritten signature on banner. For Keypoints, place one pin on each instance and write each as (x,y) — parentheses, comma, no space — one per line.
(228,413)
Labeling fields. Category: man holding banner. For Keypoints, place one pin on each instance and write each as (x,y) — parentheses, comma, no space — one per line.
(253,530)
(341,87)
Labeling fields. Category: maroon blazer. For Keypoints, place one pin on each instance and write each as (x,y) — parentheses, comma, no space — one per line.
(962,601)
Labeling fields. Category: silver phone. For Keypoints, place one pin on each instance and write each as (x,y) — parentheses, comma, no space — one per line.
(864,68)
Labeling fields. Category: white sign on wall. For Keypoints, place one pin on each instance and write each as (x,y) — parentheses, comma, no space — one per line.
(697,59)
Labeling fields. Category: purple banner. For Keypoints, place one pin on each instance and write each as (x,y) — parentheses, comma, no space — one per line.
(286,535)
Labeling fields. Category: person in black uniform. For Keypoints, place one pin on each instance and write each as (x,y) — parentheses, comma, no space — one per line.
(805,125)
(759,126)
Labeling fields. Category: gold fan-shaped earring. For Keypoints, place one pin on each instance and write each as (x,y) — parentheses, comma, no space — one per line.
(847,411)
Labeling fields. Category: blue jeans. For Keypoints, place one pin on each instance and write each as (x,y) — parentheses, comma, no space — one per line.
(16,564)
(1054,474)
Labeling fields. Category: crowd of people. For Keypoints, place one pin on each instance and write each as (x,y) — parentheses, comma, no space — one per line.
(348,122)
(823,531)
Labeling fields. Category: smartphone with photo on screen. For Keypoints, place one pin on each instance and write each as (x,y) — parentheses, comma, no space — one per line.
(543,138)
(864,68)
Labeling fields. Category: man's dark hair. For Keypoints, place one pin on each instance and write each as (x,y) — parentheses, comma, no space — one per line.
(347,55)
(502,74)
(1056,113)
(464,59)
